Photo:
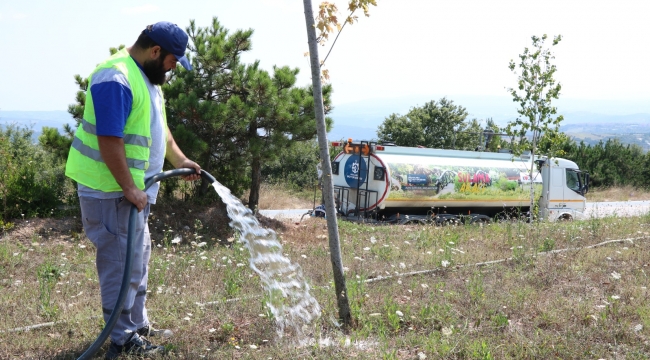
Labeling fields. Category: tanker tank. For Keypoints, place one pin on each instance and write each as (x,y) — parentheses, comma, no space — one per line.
(393,182)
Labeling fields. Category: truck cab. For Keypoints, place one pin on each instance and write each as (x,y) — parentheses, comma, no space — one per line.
(563,189)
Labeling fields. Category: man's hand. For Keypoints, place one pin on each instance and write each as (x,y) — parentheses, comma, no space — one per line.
(190,164)
(137,197)
(178,159)
(112,150)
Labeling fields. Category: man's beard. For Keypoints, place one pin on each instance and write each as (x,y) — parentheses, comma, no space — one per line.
(155,71)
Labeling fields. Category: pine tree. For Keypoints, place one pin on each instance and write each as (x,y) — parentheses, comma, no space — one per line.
(233,117)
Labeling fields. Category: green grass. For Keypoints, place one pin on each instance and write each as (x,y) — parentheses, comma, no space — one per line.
(588,303)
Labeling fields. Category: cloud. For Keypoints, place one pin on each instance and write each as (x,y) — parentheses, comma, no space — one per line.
(148,8)
(18,16)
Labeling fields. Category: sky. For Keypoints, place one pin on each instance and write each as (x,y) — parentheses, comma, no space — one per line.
(406,48)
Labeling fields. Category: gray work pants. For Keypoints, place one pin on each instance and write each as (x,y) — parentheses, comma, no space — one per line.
(106,223)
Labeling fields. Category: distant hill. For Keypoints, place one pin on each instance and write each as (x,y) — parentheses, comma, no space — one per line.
(36,120)
(360,120)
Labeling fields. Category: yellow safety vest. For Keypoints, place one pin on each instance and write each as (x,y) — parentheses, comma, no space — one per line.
(85,164)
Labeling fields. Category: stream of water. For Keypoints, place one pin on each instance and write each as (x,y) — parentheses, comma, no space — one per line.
(289,299)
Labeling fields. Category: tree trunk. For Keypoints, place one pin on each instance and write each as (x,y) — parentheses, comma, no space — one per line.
(256,181)
(532,168)
(328,188)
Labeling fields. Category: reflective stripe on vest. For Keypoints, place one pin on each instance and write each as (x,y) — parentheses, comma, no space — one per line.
(132,139)
(95,155)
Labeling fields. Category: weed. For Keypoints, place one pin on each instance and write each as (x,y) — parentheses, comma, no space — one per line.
(356,296)
(475,288)
(5,225)
(547,245)
(499,320)
(48,275)
(519,254)
(233,280)
(481,350)
(394,315)
(198,225)
(228,328)
(390,354)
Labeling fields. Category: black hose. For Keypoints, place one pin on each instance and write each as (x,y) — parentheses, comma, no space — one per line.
(128,265)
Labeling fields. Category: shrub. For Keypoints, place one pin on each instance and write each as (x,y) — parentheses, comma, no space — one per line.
(32,180)
(295,166)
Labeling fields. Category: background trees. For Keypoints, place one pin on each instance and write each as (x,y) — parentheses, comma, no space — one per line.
(440,124)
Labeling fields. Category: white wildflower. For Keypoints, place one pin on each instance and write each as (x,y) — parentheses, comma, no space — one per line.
(615,275)
(176,240)
(402,266)
(202,244)
(447,331)
(373,240)
(444,263)
(638,327)
(399,313)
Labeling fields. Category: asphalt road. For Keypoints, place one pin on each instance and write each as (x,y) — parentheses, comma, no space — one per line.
(596,209)
(293,215)
(618,208)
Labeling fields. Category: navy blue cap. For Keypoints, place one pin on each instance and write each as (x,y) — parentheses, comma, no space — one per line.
(171,38)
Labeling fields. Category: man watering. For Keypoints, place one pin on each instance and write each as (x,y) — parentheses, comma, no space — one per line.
(123,140)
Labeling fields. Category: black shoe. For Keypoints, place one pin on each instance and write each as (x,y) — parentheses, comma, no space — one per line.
(134,346)
(148,331)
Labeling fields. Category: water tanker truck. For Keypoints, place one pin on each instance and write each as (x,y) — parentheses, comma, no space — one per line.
(383,183)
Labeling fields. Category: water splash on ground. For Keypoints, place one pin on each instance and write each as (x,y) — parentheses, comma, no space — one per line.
(289,299)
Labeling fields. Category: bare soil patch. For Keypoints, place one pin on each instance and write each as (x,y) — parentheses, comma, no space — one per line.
(625,193)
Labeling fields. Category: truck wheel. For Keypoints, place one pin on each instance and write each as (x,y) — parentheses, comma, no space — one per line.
(480,220)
